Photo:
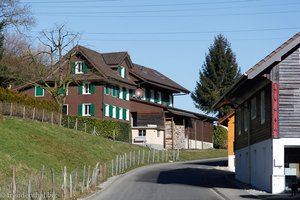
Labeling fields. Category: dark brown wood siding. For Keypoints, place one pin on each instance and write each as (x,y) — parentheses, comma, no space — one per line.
(257,130)
(289,96)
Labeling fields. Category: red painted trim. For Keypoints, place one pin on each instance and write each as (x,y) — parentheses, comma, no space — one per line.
(275,131)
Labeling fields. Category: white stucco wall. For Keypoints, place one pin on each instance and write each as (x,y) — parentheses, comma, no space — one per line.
(260,164)
(154,137)
(231,163)
(195,144)
(267,164)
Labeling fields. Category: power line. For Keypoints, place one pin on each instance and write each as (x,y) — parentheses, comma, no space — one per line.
(145,5)
(173,16)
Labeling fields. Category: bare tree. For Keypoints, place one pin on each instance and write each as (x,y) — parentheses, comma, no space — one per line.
(57,41)
(13,14)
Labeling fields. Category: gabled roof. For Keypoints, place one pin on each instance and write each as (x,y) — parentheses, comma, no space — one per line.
(273,58)
(156,78)
(115,58)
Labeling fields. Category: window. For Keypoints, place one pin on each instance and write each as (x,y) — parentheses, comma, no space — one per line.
(114,91)
(78,67)
(120,113)
(86,88)
(86,109)
(39,91)
(262,107)
(152,96)
(106,110)
(114,114)
(246,117)
(142,133)
(253,108)
(170,101)
(238,119)
(65,109)
(148,94)
(122,71)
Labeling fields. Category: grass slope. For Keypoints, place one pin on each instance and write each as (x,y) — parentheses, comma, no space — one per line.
(27,145)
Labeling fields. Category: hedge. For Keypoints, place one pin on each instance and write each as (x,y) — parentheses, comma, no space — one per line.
(106,128)
(11,96)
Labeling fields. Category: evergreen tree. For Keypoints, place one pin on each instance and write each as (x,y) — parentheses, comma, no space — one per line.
(219,72)
(1,40)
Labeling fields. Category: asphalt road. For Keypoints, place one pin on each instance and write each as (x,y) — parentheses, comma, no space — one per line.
(176,181)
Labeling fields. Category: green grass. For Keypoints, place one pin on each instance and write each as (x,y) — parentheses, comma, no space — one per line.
(28,145)
(186,155)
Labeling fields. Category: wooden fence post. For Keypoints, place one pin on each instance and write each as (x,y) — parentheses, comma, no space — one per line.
(149,154)
(167,155)
(60,119)
(143,157)
(88,178)
(76,180)
(133,158)
(162,156)
(29,189)
(65,183)
(157,155)
(52,118)
(83,179)
(71,189)
(130,159)
(41,183)
(33,114)
(138,160)
(43,115)
(85,127)
(68,122)
(112,167)
(76,124)
(53,184)
(120,164)
(177,157)
(94,131)
(117,165)
(11,109)
(24,112)
(153,155)
(14,184)
(125,161)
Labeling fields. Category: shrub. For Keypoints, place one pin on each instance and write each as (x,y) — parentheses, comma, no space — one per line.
(220,137)
(10,96)
(106,128)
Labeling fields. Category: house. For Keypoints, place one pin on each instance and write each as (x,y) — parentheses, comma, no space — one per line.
(110,86)
(228,122)
(267,110)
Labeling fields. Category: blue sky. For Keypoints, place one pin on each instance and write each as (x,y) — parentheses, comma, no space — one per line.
(173,36)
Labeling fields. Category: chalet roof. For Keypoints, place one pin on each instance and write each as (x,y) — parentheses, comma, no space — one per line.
(272,59)
(115,58)
(156,78)
(180,112)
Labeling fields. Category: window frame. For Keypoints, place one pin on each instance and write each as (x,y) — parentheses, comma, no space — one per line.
(78,66)
(262,107)
(253,108)
(142,132)
(84,109)
(84,88)
(35,91)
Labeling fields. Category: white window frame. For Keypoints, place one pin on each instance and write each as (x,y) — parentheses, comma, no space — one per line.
(120,93)
(171,100)
(262,107)
(143,132)
(78,67)
(253,108)
(121,113)
(106,112)
(127,94)
(114,114)
(84,109)
(152,96)
(159,98)
(246,117)
(84,88)
(122,72)
(127,114)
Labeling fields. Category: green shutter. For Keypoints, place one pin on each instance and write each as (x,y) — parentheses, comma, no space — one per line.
(92,109)
(124,113)
(125,72)
(168,100)
(118,91)
(114,93)
(124,93)
(73,65)
(107,90)
(79,89)
(84,68)
(148,95)
(120,70)
(39,91)
(80,109)
(111,110)
(92,89)
(117,112)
